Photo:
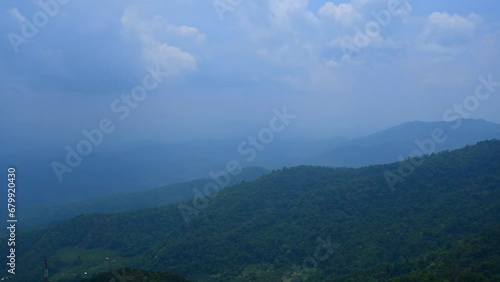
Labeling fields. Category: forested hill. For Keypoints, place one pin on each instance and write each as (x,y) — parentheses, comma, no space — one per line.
(164,195)
(437,221)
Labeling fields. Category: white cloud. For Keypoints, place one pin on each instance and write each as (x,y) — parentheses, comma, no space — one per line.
(189,31)
(287,33)
(445,33)
(357,11)
(159,26)
(281,9)
(154,34)
(170,58)
(343,13)
(283,12)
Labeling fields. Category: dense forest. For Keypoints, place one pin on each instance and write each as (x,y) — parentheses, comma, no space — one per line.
(127,274)
(439,221)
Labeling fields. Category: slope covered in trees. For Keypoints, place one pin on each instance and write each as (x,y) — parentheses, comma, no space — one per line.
(127,274)
(439,221)
(167,194)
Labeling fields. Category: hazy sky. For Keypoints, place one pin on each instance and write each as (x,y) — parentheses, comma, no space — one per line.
(62,67)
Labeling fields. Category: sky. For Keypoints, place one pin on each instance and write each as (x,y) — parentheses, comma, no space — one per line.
(217,69)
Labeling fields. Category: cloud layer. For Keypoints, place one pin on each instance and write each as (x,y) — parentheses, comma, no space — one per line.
(343,66)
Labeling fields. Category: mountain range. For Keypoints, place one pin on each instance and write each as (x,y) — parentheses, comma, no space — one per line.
(139,166)
(441,223)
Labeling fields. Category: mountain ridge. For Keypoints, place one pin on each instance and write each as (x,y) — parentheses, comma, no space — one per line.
(399,141)
(261,229)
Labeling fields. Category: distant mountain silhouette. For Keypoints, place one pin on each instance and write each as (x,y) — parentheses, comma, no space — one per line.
(391,144)
(141,165)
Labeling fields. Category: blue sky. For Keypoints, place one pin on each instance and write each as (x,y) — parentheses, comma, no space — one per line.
(226,75)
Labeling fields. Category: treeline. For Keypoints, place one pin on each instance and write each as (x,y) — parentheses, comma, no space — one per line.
(127,274)
(311,223)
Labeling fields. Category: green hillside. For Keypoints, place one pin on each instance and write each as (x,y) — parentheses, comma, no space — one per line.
(127,274)
(168,194)
(303,224)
